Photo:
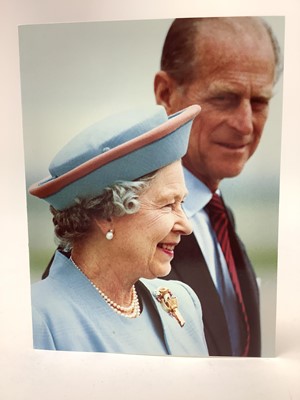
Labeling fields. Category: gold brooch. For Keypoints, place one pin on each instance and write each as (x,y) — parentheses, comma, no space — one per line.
(169,304)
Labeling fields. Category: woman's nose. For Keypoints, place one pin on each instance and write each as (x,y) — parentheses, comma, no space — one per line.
(183,225)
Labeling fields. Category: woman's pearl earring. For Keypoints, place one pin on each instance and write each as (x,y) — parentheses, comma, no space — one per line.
(109,235)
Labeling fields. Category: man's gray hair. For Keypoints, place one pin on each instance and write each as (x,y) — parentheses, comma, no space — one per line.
(178,57)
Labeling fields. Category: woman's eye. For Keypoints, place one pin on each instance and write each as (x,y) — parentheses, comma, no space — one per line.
(174,205)
(170,205)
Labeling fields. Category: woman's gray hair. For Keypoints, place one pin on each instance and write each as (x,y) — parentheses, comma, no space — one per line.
(117,200)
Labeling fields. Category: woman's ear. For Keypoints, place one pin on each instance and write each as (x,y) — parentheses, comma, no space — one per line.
(164,89)
(105,225)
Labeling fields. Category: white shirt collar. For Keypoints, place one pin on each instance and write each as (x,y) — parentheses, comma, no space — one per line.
(199,194)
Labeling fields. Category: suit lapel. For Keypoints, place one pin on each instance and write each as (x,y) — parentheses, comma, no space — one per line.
(249,288)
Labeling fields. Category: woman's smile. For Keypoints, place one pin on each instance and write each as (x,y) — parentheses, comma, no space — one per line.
(167,248)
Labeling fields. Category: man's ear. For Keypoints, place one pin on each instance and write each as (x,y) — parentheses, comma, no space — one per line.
(164,89)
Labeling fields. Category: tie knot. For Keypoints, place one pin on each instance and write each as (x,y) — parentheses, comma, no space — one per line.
(215,206)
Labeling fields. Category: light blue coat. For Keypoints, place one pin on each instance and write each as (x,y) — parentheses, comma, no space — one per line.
(69,314)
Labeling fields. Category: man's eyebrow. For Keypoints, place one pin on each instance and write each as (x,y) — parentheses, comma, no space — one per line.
(264,97)
(225,87)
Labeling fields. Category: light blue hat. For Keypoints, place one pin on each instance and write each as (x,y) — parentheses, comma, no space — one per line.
(121,147)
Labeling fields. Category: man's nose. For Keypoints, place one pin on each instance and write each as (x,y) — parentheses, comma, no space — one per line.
(242,118)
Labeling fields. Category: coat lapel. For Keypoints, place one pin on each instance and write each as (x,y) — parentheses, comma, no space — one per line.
(179,341)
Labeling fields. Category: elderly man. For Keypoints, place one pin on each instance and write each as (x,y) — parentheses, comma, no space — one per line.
(228,66)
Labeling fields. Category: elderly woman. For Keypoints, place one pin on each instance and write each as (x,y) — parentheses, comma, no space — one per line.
(115,192)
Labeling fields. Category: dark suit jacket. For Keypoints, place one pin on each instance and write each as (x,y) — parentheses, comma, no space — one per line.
(190,267)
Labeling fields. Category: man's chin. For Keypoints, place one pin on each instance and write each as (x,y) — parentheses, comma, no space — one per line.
(233,172)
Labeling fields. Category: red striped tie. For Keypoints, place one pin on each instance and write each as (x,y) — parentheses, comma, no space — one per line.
(219,221)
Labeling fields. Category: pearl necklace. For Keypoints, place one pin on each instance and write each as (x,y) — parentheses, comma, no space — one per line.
(132,311)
